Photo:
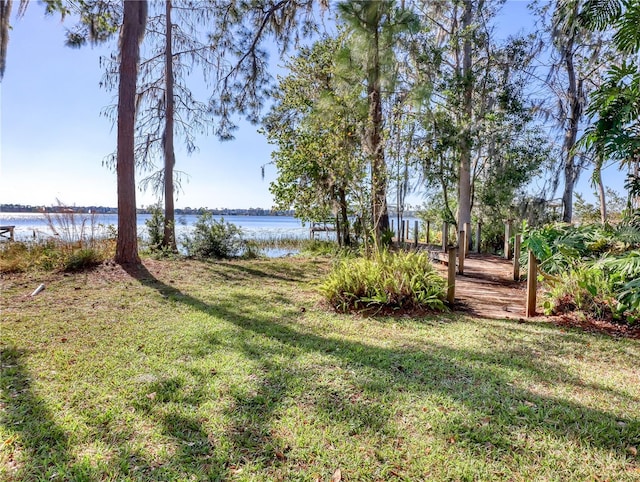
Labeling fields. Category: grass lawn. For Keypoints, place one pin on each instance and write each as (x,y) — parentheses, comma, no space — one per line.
(235,371)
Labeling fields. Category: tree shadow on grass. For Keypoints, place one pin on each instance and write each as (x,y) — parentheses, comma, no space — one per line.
(292,274)
(36,446)
(476,380)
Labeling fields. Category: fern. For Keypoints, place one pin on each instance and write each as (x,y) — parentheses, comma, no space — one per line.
(403,280)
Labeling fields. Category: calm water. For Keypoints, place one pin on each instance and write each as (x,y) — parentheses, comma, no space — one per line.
(30,225)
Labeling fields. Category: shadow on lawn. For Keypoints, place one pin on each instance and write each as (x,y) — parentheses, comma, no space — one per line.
(39,444)
(481,381)
(293,274)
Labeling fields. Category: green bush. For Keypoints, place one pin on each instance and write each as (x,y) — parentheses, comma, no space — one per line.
(217,239)
(596,266)
(155,228)
(586,289)
(385,281)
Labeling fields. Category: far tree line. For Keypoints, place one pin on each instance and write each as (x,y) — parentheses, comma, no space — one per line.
(392,98)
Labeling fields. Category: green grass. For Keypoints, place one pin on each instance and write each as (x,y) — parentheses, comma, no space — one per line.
(236,371)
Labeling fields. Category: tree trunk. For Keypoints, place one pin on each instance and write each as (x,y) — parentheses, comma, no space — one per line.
(567,196)
(169,239)
(133,26)
(601,195)
(571,168)
(464,179)
(374,140)
(5,14)
(635,202)
(344,218)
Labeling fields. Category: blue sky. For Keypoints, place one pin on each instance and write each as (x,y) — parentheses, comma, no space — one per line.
(54,139)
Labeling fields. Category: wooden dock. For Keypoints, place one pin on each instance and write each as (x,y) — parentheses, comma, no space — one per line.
(322,227)
(6,232)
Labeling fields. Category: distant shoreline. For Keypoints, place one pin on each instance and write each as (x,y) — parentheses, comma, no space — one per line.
(20,208)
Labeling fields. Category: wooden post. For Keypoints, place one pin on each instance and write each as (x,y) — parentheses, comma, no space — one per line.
(415,233)
(451,278)
(478,231)
(428,228)
(445,236)
(467,239)
(461,240)
(392,222)
(516,257)
(406,231)
(507,240)
(532,285)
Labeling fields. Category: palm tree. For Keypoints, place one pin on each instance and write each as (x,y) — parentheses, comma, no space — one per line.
(375,26)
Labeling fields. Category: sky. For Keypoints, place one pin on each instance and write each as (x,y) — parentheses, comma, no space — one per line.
(53,138)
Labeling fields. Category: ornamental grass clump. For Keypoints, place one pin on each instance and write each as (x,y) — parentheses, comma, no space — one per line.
(54,255)
(386,281)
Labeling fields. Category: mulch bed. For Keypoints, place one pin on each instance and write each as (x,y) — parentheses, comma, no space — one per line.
(574,320)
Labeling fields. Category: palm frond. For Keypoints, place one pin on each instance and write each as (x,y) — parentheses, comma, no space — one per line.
(598,14)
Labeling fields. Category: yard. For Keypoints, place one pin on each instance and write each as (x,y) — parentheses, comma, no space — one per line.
(188,370)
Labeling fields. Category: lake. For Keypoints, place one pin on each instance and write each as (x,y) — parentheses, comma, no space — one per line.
(34,225)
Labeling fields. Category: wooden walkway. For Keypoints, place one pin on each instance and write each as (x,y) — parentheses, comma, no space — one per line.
(487,289)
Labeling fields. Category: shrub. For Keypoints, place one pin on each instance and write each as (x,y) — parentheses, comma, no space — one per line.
(252,249)
(587,289)
(155,228)
(596,266)
(216,239)
(82,258)
(385,281)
